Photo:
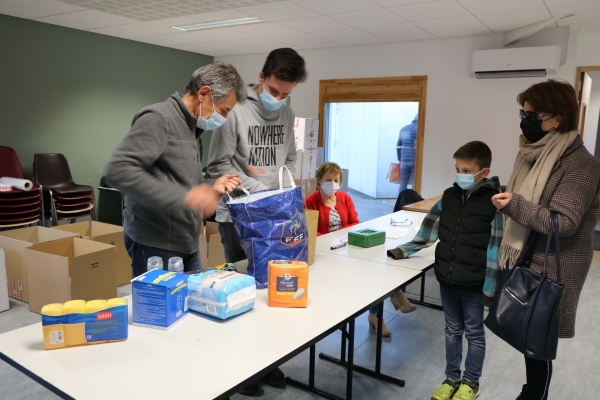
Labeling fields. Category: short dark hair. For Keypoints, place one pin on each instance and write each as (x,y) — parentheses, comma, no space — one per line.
(286,65)
(476,151)
(556,98)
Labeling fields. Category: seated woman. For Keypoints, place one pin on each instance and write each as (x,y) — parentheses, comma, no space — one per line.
(336,211)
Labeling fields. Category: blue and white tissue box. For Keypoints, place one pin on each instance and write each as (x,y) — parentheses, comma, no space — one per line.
(221,294)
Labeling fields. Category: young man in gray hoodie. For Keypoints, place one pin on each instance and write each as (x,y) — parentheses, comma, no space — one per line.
(255,142)
(158,167)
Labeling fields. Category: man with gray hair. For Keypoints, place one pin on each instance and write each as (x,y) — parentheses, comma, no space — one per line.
(158,167)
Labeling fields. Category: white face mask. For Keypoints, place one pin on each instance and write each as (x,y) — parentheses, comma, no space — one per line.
(330,188)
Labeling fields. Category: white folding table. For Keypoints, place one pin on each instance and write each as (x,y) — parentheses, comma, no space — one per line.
(223,356)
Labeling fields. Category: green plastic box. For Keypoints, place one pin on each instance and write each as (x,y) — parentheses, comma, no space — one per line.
(366,238)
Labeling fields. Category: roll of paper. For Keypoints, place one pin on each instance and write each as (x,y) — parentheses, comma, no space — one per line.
(22,184)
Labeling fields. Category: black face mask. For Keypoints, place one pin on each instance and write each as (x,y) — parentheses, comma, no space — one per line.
(532,130)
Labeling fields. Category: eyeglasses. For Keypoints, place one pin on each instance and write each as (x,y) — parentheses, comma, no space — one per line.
(532,115)
(400,223)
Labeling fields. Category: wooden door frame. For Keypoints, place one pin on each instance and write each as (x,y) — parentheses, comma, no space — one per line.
(579,75)
(390,89)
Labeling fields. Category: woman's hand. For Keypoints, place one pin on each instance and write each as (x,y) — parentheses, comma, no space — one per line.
(501,200)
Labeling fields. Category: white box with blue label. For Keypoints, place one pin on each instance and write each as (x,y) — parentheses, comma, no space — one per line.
(159,299)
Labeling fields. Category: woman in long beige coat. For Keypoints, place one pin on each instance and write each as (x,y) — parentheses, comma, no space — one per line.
(553,173)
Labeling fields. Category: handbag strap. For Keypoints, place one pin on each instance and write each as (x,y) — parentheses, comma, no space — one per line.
(527,252)
(553,231)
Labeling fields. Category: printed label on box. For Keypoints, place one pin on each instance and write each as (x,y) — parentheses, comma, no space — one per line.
(287,283)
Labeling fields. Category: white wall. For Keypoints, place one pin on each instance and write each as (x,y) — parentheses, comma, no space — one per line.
(591,120)
(459,108)
(586,91)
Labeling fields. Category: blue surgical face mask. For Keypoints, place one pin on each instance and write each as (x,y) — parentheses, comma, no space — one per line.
(466,181)
(212,123)
(269,102)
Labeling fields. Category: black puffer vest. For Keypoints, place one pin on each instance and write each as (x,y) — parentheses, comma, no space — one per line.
(464,233)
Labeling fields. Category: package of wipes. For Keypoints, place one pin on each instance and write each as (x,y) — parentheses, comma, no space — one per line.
(221,294)
(78,322)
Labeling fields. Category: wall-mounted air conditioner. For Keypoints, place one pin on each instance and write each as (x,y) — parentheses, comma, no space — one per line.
(515,62)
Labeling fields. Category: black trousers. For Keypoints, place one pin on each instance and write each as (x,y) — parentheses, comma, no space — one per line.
(539,374)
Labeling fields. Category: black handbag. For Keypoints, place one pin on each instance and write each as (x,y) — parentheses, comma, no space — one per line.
(525,312)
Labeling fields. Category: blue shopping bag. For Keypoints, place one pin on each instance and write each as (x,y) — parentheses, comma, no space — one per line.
(271,225)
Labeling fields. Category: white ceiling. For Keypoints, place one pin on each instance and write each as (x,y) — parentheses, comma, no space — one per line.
(300,24)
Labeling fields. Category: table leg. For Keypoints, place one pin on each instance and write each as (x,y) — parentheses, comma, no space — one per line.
(365,371)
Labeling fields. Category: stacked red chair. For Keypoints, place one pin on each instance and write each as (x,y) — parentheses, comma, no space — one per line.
(18,208)
(64,199)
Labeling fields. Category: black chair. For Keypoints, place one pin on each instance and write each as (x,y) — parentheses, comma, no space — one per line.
(406,197)
(110,204)
(64,199)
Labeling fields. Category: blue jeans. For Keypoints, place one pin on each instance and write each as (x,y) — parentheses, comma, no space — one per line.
(407,170)
(140,254)
(231,243)
(463,312)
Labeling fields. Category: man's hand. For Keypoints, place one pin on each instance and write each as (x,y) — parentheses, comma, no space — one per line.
(203,199)
(501,200)
(227,183)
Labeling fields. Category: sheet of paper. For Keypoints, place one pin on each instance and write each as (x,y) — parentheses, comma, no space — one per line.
(395,232)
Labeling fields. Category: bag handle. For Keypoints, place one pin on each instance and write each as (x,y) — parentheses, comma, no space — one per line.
(243,188)
(289,175)
(527,252)
(553,230)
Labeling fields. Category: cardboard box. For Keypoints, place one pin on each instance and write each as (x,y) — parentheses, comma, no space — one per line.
(212,252)
(3,283)
(109,234)
(160,299)
(297,172)
(309,186)
(14,243)
(309,164)
(69,269)
(306,131)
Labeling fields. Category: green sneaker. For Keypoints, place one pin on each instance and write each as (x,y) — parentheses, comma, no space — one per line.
(467,391)
(446,391)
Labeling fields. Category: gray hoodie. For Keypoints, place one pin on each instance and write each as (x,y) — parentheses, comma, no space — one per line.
(255,143)
(155,165)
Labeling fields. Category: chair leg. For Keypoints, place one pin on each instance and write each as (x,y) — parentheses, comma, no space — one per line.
(53,210)
(94,210)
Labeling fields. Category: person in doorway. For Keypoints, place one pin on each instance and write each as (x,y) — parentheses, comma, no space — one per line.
(255,142)
(553,173)
(158,168)
(406,149)
(469,228)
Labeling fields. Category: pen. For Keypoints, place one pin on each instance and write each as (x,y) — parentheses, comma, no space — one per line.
(338,246)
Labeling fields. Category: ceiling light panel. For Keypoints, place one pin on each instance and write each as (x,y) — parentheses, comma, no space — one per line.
(218,24)
(150,10)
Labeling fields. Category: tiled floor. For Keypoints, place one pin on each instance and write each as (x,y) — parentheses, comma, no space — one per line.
(414,353)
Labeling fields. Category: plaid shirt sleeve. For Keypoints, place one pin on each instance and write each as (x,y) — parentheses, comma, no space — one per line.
(428,233)
(492,270)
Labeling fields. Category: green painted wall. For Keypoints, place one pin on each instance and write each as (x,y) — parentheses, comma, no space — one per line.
(73,92)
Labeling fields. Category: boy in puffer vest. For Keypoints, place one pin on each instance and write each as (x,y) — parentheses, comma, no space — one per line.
(469,229)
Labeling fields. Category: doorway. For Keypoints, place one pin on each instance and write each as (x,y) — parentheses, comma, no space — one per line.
(588,92)
(374,141)
(361,121)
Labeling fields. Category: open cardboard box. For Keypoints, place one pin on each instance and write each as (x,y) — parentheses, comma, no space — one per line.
(109,234)
(69,269)
(212,252)
(3,285)
(14,243)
